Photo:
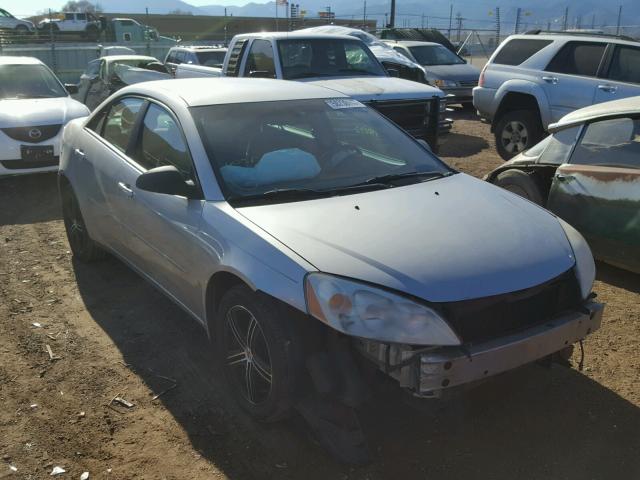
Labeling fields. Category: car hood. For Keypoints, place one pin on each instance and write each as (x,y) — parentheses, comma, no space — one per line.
(45,111)
(368,89)
(450,239)
(462,72)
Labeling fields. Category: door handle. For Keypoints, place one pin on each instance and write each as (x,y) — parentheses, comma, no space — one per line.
(608,88)
(552,80)
(79,152)
(562,177)
(126,189)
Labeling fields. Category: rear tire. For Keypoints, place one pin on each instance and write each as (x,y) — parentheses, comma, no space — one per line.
(258,352)
(520,183)
(517,131)
(82,246)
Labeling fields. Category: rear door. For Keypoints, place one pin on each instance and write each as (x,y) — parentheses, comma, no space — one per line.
(164,228)
(622,78)
(598,191)
(570,80)
(87,78)
(98,88)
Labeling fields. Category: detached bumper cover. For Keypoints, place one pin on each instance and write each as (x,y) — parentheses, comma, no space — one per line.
(430,373)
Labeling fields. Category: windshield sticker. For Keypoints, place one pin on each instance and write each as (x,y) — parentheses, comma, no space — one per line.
(340,103)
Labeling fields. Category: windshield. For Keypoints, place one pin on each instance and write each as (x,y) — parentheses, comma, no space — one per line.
(211,59)
(435,55)
(132,62)
(314,147)
(305,58)
(29,81)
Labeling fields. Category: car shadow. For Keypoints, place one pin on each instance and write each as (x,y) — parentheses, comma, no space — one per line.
(29,199)
(618,277)
(530,424)
(460,145)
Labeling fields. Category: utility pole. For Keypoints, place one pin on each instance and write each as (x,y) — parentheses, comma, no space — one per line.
(517,27)
(450,20)
(364,15)
(579,22)
(548,26)
(619,17)
(593,21)
(497,26)
(392,16)
(459,27)
(422,21)
(566,18)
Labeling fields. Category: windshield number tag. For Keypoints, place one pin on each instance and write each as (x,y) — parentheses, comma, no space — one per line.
(340,103)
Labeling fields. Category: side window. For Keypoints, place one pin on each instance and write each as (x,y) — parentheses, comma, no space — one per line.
(180,57)
(625,65)
(69,16)
(260,59)
(120,121)
(610,143)
(82,17)
(162,143)
(403,52)
(97,122)
(578,58)
(518,50)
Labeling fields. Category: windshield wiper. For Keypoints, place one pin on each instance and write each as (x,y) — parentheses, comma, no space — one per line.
(279,193)
(391,177)
(307,75)
(359,71)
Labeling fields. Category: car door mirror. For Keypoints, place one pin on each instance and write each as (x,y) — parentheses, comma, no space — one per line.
(71,88)
(424,143)
(166,180)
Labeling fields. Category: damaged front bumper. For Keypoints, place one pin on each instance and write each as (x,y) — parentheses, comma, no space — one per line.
(429,372)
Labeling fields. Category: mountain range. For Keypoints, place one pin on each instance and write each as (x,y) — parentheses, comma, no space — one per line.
(475,13)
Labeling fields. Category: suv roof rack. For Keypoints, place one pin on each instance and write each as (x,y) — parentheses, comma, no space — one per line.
(581,34)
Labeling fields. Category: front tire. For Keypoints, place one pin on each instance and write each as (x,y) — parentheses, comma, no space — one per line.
(517,131)
(520,183)
(258,353)
(82,246)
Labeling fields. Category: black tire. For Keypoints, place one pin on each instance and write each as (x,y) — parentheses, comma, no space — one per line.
(517,131)
(82,246)
(520,183)
(262,355)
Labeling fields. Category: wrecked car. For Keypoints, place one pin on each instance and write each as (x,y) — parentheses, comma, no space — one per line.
(588,173)
(312,237)
(108,74)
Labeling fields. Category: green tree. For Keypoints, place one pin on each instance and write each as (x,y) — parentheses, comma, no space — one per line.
(81,6)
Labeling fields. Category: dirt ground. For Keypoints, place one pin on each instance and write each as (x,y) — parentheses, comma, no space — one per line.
(113,334)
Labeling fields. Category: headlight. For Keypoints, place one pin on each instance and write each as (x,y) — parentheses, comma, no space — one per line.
(585,266)
(446,83)
(363,311)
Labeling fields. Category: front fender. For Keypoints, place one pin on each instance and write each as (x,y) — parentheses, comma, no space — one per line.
(532,89)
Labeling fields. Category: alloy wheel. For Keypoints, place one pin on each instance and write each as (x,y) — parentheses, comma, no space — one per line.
(247,357)
(515,137)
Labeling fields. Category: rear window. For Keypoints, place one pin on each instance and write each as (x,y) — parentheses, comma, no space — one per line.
(578,58)
(518,50)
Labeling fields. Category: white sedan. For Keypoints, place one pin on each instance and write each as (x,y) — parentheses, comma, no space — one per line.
(34,107)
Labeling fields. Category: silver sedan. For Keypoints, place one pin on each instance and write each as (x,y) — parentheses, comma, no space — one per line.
(302,229)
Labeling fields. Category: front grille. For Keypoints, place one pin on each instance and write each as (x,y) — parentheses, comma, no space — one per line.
(486,318)
(471,84)
(24,164)
(409,115)
(30,134)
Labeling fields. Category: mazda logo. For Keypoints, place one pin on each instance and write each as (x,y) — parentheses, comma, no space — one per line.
(35,133)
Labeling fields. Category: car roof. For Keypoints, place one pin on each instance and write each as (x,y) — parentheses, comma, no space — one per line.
(9,60)
(115,58)
(623,106)
(578,38)
(410,43)
(295,35)
(225,90)
(199,48)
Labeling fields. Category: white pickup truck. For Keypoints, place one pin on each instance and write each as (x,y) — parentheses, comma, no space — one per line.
(342,63)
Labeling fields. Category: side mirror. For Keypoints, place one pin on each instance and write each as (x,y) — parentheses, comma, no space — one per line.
(393,72)
(424,143)
(261,74)
(166,180)
(71,88)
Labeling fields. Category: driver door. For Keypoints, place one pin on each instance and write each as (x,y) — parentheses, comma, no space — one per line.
(98,87)
(89,75)
(598,191)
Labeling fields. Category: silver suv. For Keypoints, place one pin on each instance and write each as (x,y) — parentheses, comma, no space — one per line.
(534,79)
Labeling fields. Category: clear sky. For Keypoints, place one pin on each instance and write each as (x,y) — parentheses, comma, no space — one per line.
(29,7)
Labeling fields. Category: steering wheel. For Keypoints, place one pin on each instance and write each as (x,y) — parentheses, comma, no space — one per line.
(335,158)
